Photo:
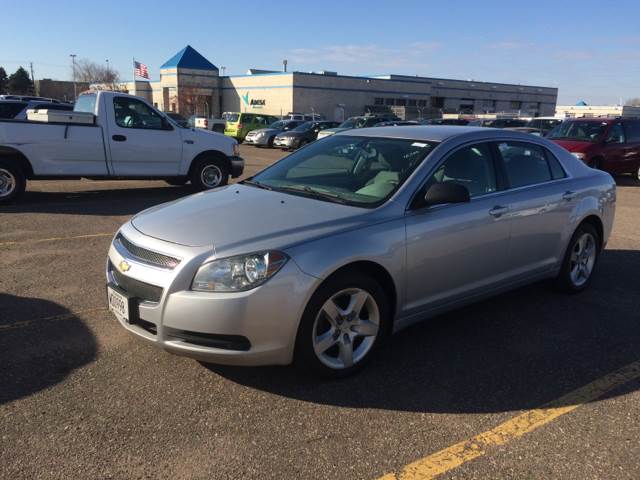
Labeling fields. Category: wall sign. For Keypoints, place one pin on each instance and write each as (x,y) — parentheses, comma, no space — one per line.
(253,102)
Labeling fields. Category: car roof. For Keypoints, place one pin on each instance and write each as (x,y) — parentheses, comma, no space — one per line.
(593,119)
(431,133)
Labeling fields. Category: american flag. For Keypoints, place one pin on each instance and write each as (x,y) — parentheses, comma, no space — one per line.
(140,69)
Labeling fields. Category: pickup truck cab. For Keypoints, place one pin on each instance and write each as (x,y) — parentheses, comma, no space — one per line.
(116,136)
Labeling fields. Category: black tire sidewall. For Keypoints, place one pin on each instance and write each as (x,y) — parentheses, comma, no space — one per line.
(564,278)
(196,179)
(20,178)
(304,355)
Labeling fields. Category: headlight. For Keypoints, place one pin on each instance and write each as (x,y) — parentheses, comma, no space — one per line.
(260,135)
(578,155)
(236,274)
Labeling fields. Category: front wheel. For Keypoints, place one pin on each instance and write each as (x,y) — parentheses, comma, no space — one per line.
(209,173)
(342,326)
(580,260)
(12,182)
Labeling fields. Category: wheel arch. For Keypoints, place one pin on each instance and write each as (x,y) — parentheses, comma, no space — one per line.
(596,223)
(209,154)
(19,157)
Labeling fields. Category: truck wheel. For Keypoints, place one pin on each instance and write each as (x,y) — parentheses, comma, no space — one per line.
(210,172)
(12,182)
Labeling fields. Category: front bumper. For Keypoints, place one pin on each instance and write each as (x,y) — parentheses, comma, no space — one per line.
(284,142)
(256,327)
(237,166)
(262,140)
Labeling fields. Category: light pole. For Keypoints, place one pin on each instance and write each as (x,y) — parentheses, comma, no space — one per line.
(107,62)
(73,67)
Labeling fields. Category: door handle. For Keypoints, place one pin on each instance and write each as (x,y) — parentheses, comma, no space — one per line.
(119,138)
(498,211)
(568,195)
(189,142)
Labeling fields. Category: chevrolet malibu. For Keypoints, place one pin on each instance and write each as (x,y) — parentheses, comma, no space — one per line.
(319,257)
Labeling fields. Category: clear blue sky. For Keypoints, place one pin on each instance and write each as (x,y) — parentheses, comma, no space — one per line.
(589,49)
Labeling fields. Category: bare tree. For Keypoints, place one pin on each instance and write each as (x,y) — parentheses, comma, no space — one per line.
(91,72)
(633,102)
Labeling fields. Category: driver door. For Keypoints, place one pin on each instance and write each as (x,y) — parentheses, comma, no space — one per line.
(142,143)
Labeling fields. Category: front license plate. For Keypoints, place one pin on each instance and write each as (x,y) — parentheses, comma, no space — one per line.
(118,304)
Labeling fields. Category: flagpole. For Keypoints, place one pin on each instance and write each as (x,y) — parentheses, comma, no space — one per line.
(134,75)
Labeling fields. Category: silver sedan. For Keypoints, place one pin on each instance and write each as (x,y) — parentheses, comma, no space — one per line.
(318,257)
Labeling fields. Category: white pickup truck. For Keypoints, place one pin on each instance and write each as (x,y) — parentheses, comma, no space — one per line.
(115,136)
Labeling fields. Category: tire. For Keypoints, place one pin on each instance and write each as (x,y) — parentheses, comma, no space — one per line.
(582,255)
(270,141)
(331,346)
(210,172)
(177,182)
(12,182)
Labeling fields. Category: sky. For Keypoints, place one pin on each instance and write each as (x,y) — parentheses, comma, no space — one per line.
(589,49)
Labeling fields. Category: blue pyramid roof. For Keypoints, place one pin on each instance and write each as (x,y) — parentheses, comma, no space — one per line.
(188,57)
(581,103)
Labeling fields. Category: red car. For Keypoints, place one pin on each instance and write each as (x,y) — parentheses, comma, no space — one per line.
(610,144)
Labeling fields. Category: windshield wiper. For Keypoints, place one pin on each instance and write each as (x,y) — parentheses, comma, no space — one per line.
(312,192)
(256,184)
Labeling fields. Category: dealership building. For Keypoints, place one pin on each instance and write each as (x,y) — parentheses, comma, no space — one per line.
(189,83)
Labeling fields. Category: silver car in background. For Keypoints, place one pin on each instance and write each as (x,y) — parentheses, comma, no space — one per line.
(318,257)
(264,137)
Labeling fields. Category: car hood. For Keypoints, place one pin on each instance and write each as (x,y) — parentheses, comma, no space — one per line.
(574,145)
(240,219)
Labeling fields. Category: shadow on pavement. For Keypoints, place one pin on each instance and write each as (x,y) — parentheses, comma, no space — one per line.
(516,351)
(40,344)
(627,181)
(117,201)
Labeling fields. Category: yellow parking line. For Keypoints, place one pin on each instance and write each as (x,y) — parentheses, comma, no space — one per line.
(465,451)
(62,316)
(53,239)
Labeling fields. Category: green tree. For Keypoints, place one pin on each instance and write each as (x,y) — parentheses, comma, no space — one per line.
(19,83)
(3,81)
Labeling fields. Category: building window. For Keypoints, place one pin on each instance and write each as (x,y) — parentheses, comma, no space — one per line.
(422,103)
(437,102)
(515,105)
(411,103)
(378,101)
(388,101)
(401,102)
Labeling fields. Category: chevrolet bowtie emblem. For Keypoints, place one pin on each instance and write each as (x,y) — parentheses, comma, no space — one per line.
(124,266)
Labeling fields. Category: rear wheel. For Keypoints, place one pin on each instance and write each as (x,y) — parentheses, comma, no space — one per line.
(342,326)
(210,172)
(580,259)
(12,182)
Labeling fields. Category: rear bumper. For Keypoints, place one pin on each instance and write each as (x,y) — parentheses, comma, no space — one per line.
(237,166)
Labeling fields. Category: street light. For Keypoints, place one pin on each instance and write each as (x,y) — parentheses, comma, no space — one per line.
(73,63)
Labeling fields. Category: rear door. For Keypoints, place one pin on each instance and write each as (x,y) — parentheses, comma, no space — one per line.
(455,251)
(540,204)
(632,147)
(142,143)
(614,149)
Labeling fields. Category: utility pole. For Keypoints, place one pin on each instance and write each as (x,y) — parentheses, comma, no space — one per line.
(73,67)
(107,62)
(33,79)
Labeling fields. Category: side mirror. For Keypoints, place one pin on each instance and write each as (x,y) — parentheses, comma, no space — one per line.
(441,193)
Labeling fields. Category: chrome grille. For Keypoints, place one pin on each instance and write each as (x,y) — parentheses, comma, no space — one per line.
(146,256)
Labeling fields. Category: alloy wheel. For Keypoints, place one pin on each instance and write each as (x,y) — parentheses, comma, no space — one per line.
(345,328)
(583,259)
(7,183)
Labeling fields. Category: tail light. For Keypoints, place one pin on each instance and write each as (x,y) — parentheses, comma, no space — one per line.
(240,126)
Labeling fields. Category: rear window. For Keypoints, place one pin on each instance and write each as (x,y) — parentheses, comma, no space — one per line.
(232,117)
(9,110)
(86,103)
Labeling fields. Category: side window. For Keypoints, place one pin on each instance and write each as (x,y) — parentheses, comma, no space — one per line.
(525,163)
(632,129)
(132,113)
(472,167)
(616,134)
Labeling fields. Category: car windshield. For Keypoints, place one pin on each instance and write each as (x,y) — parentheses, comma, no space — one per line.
(348,123)
(357,171)
(277,125)
(232,117)
(304,127)
(586,131)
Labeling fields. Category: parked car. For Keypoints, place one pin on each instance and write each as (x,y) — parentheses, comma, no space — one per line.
(318,257)
(531,130)
(239,124)
(356,122)
(207,123)
(112,135)
(498,122)
(445,121)
(301,135)
(609,144)
(397,123)
(266,136)
(306,117)
(17,109)
(544,124)
(179,119)
(28,98)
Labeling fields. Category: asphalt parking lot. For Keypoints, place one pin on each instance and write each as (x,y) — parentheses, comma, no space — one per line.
(80,397)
